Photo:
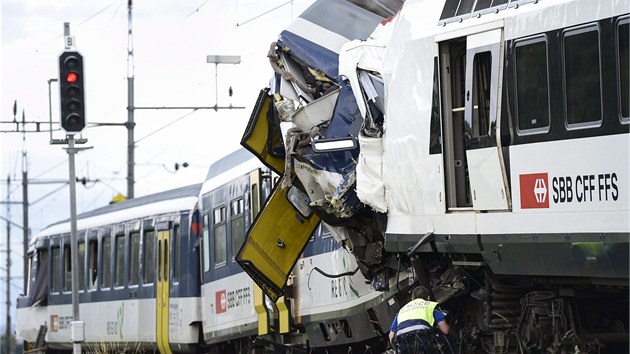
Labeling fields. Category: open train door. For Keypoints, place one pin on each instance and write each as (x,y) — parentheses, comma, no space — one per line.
(162,290)
(488,178)
(277,238)
(262,135)
(476,177)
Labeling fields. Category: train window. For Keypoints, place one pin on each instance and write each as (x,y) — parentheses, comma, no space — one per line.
(450,8)
(175,259)
(106,260)
(56,260)
(119,266)
(81,264)
(165,266)
(220,236)
(623,66)
(454,8)
(465,7)
(149,256)
(134,257)
(206,243)
(237,224)
(67,268)
(255,201)
(92,260)
(435,140)
(482,66)
(482,4)
(159,263)
(266,186)
(582,85)
(373,90)
(300,201)
(29,273)
(532,85)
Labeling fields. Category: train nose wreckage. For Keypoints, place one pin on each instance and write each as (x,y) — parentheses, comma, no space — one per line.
(308,127)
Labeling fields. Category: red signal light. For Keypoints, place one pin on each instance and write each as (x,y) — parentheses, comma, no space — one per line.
(72,77)
(71,90)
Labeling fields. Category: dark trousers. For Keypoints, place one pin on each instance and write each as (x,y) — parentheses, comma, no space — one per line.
(422,342)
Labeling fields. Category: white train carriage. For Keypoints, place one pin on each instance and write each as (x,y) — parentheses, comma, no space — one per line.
(487,147)
(138,277)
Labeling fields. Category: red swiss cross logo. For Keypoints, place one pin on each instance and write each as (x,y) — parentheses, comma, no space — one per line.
(534,190)
(221,301)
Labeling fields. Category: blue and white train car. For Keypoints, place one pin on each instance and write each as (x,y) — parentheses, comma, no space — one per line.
(159,272)
(229,199)
(326,305)
(138,277)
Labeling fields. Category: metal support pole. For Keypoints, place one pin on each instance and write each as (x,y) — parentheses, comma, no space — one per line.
(50,109)
(130,141)
(216,60)
(8,329)
(24,205)
(130,107)
(74,247)
(25,227)
(216,86)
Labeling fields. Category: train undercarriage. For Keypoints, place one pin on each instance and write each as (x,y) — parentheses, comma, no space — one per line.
(491,313)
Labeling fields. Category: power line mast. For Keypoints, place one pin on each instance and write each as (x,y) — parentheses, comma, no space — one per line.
(130,108)
(8,329)
(25,229)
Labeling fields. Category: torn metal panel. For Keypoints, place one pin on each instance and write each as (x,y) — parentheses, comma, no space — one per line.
(370,186)
(307,54)
(315,38)
(315,106)
(360,62)
(315,113)
(328,191)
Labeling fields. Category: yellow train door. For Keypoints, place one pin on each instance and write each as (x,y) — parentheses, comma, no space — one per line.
(162,287)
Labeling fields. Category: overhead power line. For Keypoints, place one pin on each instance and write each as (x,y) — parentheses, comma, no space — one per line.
(264,13)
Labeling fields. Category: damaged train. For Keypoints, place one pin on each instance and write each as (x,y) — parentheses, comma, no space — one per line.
(161,272)
(480,146)
(158,274)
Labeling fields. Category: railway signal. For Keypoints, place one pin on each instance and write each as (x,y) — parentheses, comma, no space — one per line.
(72,93)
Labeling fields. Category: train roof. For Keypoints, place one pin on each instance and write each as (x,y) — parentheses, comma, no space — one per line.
(234,165)
(383,8)
(183,198)
(228,162)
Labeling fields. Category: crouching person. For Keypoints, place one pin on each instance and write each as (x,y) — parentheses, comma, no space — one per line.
(412,329)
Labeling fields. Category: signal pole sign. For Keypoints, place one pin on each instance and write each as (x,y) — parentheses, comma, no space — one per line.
(68,40)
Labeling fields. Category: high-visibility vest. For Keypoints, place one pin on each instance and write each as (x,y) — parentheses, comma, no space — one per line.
(417,309)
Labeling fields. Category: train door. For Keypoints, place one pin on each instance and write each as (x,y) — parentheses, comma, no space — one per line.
(259,188)
(276,239)
(162,288)
(255,193)
(470,73)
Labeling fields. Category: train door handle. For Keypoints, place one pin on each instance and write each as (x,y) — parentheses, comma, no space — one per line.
(468,95)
